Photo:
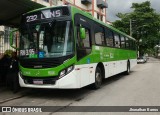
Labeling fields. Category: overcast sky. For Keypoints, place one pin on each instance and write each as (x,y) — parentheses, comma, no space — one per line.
(123,6)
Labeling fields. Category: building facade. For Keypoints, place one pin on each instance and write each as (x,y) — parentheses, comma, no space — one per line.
(4,39)
(96,7)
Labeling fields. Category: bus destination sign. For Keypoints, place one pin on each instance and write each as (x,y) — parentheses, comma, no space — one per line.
(46,14)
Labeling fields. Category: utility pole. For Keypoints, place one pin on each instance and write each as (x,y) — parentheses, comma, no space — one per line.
(131,22)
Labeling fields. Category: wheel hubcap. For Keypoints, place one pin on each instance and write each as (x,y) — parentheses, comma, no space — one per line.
(98,79)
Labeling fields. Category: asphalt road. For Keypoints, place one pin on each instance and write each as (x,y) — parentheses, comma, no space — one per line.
(140,88)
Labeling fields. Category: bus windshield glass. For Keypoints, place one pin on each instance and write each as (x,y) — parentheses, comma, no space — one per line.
(46,40)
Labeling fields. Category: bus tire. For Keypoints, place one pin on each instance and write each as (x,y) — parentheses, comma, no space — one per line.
(98,79)
(127,72)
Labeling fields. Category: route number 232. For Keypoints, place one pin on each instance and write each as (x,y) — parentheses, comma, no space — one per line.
(31,18)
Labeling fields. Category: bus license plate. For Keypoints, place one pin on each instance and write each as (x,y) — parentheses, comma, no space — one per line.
(38,82)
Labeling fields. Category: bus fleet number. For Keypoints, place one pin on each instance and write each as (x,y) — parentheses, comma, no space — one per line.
(31,18)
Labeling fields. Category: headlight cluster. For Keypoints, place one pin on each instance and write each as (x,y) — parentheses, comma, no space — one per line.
(66,71)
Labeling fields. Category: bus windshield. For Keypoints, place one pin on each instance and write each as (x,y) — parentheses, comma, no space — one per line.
(47,40)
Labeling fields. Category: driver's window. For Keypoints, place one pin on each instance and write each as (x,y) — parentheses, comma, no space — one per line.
(83,45)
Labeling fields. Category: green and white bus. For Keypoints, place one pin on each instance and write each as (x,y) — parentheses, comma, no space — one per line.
(65,47)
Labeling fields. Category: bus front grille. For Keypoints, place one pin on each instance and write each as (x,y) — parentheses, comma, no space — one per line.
(44,80)
(40,63)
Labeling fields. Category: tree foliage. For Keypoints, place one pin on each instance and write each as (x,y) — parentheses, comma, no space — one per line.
(145,25)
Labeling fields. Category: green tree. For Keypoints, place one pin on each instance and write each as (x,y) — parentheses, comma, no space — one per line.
(145,25)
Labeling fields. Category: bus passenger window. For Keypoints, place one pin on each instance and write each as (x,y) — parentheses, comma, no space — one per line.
(127,43)
(99,35)
(123,45)
(109,38)
(134,45)
(116,41)
(130,44)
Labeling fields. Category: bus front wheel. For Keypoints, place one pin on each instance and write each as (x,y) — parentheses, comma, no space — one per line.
(98,79)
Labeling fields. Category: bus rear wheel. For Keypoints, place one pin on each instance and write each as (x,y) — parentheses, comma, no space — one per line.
(98,79)
(127,72)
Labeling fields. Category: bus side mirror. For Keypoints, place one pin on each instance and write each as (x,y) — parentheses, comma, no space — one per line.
(11,38)
(82,33)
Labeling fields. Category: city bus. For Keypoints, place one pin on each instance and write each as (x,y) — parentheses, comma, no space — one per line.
(64,47)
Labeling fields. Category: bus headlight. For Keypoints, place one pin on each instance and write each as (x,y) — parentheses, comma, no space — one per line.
(63,73)
(66,71)
(69,69)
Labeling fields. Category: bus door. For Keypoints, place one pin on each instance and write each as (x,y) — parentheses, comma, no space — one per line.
(83,49)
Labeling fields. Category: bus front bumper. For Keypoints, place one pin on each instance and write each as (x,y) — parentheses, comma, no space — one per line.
(69,81)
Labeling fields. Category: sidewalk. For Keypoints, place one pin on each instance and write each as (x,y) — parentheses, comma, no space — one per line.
(7,95)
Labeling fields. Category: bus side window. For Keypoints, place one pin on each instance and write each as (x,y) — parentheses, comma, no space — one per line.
(132,45)
(117,43)
(109,38)
(99,35)
(123,45)
(127,44)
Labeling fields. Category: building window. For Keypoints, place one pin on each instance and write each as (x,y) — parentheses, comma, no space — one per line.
(98,16)
(54,2)
(46,0)
(101,18)
(102,10)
